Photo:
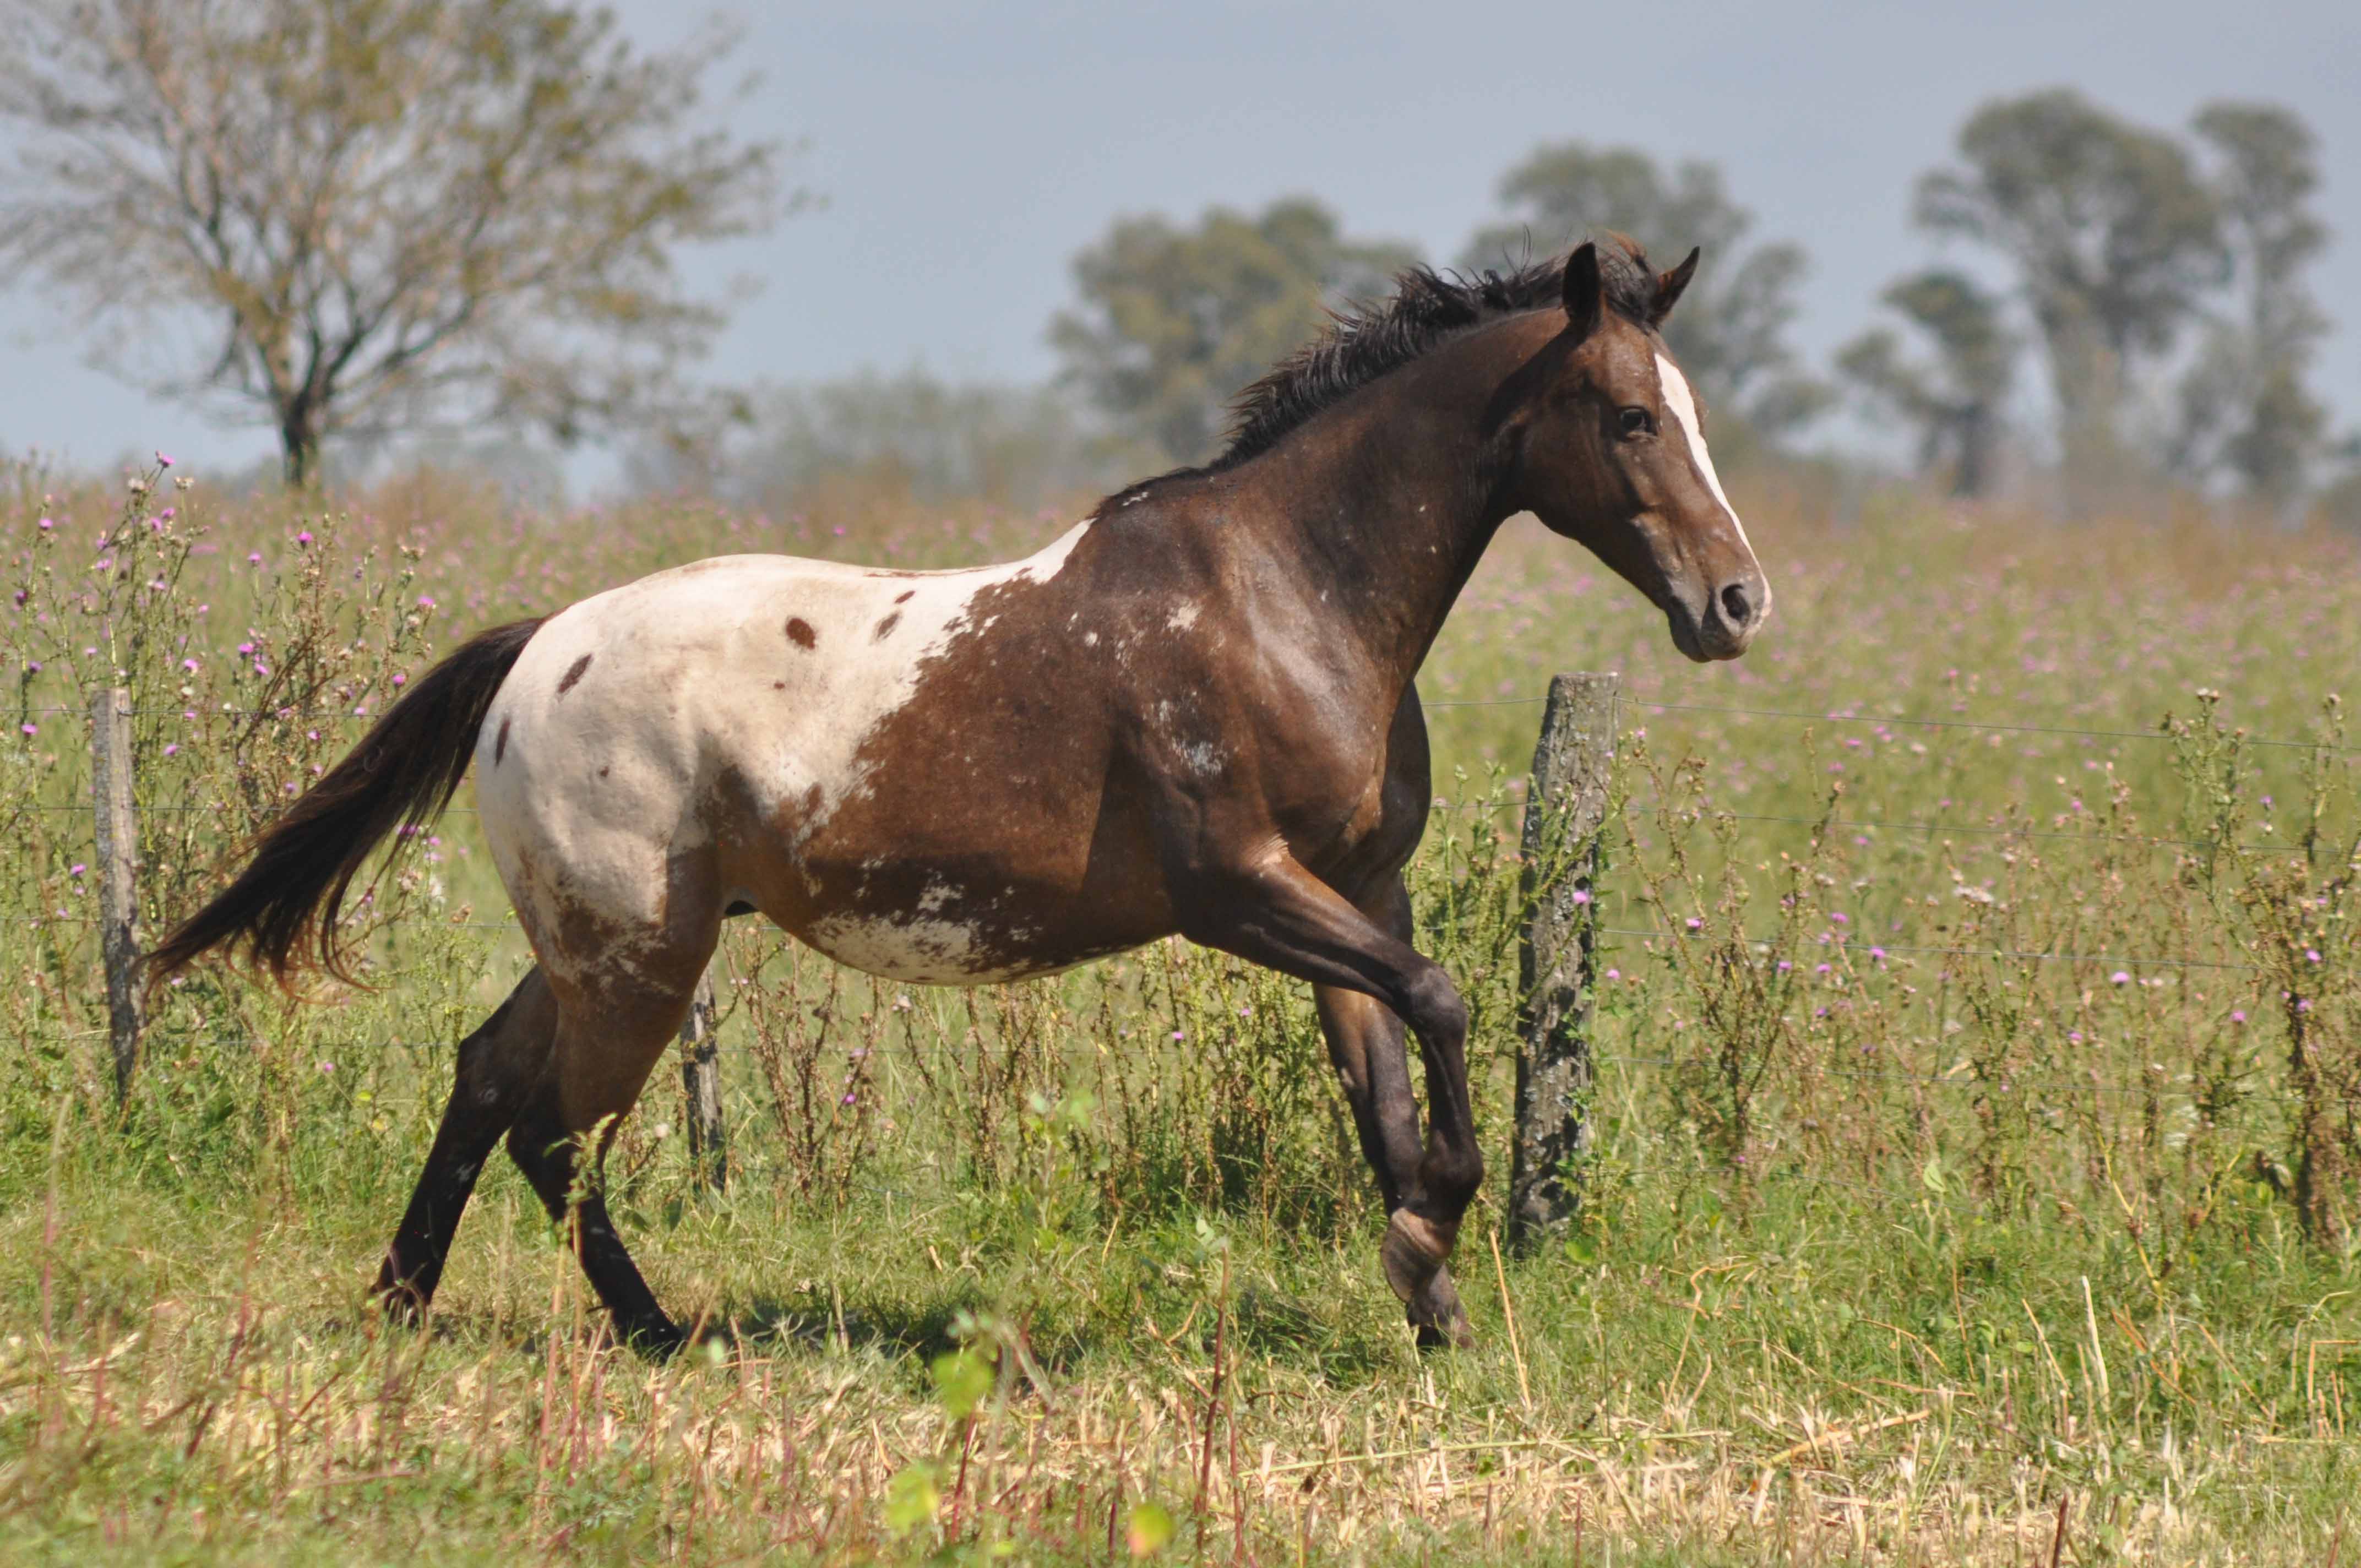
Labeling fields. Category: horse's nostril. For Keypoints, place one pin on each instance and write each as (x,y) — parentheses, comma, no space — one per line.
(1735,604)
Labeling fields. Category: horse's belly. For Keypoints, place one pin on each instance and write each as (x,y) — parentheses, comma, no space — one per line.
(935,948)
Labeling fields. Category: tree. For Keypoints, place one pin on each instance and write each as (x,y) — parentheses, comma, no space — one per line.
(1175,322)
(1730,333)
(387,212)
(2114,238)
(1957,402)
(2245,410)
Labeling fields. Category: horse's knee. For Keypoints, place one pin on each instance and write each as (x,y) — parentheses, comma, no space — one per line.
(1431,1007)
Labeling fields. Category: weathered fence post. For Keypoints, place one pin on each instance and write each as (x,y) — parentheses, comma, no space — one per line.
(1565,807)
(701,1077)
(118,893)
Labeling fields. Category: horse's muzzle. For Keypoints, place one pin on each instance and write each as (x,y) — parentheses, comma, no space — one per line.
(1726,623)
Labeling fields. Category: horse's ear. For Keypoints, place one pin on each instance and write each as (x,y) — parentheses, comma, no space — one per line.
(1668,288)
(1586,297)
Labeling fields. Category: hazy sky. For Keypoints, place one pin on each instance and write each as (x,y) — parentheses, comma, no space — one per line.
(966,152)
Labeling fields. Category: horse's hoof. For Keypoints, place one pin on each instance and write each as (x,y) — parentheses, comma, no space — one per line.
(402,1303)
(1413,1252)
(1438,1317)
(657,1341)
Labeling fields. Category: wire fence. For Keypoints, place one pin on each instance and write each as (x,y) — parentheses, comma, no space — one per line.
(1502,808)
(1905,721)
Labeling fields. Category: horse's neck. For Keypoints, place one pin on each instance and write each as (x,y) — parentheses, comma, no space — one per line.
(1391,502)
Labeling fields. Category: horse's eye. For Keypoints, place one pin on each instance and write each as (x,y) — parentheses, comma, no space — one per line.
(1637,421)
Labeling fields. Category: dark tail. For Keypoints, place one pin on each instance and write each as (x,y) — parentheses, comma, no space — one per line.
(402,774)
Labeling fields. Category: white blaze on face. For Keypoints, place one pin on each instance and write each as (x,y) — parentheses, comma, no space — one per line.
(1682,406)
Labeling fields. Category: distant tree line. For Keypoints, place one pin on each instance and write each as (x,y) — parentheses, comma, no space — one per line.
(398,217)
(2161,279)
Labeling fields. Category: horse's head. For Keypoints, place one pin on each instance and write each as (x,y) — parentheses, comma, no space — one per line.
(1611,453)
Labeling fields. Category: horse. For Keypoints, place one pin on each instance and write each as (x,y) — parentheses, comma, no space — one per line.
(1191,713)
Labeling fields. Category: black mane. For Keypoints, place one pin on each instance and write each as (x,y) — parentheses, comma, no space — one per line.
(1368,340)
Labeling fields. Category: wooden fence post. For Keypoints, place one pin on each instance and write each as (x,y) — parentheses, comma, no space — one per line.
(700,1078)
(1565,807)
(118,893)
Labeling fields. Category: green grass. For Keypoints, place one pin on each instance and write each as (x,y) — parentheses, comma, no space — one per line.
(1876,1265)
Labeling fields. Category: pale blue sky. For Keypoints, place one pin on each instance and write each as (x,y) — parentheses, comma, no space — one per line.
(968,151)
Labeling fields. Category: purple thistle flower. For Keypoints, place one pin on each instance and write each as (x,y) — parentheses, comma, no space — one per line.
(2120,977)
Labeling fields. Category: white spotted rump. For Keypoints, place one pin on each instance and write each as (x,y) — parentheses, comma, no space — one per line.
(626,711)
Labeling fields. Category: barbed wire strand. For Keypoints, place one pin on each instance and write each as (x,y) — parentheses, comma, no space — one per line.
(1800,715)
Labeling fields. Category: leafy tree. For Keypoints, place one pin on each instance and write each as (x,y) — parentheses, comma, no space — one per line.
(1957,402)
(1730,333)
(1175,322)
(2114,236)
(387,212)
(2245,409)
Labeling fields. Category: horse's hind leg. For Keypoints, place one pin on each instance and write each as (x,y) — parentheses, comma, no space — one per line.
(606,1045)
(501,1066)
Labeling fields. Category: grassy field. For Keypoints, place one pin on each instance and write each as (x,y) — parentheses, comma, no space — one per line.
(1978,1162)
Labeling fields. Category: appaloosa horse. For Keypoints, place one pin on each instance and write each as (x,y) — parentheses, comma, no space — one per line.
(1194,713)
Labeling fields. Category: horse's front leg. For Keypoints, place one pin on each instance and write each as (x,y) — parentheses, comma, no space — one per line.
(1366,1043)
(1276,913)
